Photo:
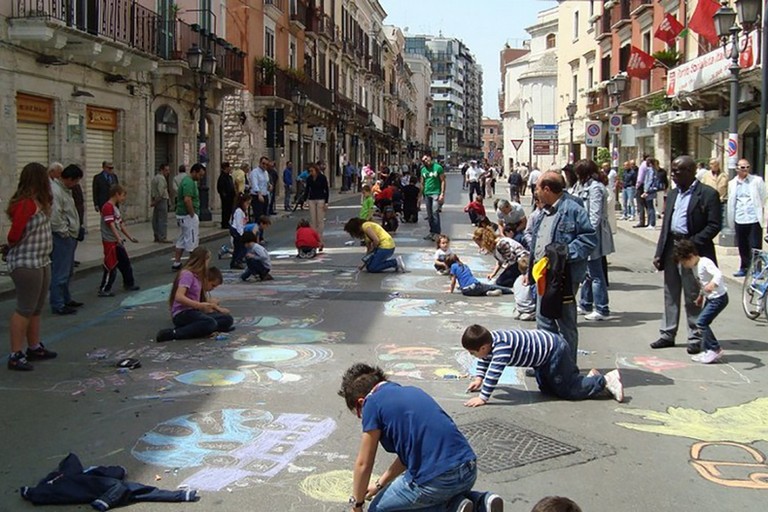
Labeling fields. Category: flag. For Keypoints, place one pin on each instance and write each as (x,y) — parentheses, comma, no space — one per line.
(668,29)
(640,63)
(703,20)
(747,56)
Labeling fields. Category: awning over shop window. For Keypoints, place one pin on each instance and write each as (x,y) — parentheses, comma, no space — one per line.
(719,125)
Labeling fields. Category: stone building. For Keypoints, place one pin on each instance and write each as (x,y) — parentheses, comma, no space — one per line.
(85,85)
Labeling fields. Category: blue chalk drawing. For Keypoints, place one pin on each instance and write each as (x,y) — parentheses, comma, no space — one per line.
(211,378)
(511,376)
(149,296)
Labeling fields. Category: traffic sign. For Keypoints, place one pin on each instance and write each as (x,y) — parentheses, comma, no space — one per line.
(593,134)
(614,124)
(545,132)
(545,147)
(319,134)
(732,150)
(517,143)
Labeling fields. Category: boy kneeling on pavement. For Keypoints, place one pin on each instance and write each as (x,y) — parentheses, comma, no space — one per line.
(547,353)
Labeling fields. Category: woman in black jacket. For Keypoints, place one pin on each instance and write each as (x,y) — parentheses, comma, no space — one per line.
(317,199)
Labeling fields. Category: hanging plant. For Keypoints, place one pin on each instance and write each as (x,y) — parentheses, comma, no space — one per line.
(668,58)
(268,68)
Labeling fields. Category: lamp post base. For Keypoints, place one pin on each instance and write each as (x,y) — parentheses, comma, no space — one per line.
(205,211)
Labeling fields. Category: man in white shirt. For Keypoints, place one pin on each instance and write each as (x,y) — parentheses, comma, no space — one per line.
(746,200)
(533,178)
(473,179)
(259,180)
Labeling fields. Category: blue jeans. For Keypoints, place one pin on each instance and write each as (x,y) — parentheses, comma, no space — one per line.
(628,197)
(650,210)
(192,323)
(254,267)
(481,289)
(441,494)
(712,308)
(559,376)
(287,197)
(433,214)
(380,260)
(62,259)
(566,325)
(594,289)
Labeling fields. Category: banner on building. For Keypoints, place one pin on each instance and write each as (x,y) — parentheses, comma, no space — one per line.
(668,29)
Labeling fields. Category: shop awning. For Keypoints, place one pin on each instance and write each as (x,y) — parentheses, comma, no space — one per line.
(719,125)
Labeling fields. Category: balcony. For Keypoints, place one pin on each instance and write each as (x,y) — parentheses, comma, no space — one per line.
(327,28)
(274,9)
(621,14)
(284,85)
(391,130)
(299,13)
(122,33)
(604,27)
(637,7)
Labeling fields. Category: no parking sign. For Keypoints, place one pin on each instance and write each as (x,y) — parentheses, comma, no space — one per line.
(593,134)
(732,150)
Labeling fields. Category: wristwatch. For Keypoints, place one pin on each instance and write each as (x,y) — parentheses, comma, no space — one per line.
(354,503)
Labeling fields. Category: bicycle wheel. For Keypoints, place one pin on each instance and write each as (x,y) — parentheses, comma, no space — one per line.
(754,287)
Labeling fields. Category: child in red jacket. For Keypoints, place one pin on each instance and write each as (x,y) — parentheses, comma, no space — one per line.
(307,240)
(476,212)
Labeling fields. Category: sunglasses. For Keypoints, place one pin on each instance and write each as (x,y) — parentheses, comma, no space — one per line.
(745,167)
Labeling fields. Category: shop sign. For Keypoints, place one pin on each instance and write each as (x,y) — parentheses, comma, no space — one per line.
(34,109)
(101,118)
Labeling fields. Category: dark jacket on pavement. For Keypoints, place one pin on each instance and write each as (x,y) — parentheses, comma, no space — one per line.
(102,487)
(704,221)
(317,188)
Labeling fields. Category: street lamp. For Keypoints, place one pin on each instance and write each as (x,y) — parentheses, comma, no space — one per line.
(299,102)
(616,87)
(203,64)
(728,30)
(530,124)
(571,111)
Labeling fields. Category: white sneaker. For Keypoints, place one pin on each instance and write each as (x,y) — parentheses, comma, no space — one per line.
(493,293)
(596,316)
(400,264)
(527,317)
(580,310)
(710,356)
(465,506)
(650,227)
(614,386)
(494,503)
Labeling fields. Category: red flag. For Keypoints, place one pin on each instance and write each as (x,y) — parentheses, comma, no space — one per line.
(668,29)
(703,21)
(746,56)
(640,63)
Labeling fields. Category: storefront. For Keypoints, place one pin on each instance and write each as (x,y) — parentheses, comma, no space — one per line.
(100,128)
(34,116)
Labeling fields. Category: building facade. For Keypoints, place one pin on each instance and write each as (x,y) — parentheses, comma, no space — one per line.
(83,87)
(492,136)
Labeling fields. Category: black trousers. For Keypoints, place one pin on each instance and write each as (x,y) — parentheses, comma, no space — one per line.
(748,237)
(124,266)
(226,210)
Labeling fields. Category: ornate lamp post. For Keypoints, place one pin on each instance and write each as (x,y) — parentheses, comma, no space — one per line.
(204,66)
(530,124)
(299,102)
(728,31)
(571,111)
(616,88)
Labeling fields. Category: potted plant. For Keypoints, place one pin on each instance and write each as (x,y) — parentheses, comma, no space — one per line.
(267,67)
(668,58)
(297,76)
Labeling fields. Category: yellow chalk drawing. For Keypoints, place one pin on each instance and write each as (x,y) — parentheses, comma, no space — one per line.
(711,469)
(744,423)
(333,486)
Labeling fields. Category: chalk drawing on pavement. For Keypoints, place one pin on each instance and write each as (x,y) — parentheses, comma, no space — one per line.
(743,423)
(211,378)
(408,307)
(721,373)
(418,362)
(287,357)
(730,469)
(149,296)
(231,447)
(332,487)
(272,321)
(300,336)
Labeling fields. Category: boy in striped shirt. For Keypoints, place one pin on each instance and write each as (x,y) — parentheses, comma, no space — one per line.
(547,353)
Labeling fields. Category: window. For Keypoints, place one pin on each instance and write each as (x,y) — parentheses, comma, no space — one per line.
(645,85)
(591,8)
(590,77)
(624,52)
(576,25)
(605,68)
(292,57)
(491,131)
(269,41)
(551,41)
(575,87)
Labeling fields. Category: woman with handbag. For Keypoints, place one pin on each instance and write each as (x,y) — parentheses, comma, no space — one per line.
(29,262)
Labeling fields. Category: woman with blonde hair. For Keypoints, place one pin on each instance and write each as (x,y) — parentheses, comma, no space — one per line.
(28,255)
(505,250)
(194,313)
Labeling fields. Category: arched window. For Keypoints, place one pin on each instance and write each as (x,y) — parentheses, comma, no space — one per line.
(551,41)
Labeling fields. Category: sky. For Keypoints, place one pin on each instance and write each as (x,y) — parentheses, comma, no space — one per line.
(483,25)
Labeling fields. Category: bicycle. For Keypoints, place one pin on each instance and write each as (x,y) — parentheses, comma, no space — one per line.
(755,288)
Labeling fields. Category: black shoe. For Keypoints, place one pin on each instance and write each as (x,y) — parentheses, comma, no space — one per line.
(132,288)
(639,226)
(75,304)
(662,343)
(237,266)
(164,335)
(19,363)
(267,277)
(103,293)
(693,348)
(40,353)
(66,310)
(176,266)
(76,263)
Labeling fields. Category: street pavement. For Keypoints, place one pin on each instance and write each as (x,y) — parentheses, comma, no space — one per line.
(254,422)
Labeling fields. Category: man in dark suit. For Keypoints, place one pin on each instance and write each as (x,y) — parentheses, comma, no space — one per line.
(225,186)
(692,212)
(102,182)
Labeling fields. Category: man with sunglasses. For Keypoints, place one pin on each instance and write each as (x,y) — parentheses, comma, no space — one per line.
(433,189)
(746,215)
